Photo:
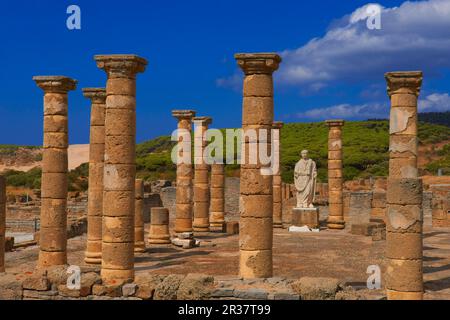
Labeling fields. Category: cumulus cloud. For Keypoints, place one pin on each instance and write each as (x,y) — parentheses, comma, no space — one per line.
(413,36)
(436,102)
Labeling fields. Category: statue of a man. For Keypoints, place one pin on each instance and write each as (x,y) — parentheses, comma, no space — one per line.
(305,175)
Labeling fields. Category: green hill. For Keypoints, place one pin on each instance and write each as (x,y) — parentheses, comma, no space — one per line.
(365,150)
(365,153)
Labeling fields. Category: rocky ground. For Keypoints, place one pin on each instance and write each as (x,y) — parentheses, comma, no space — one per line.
(330,254)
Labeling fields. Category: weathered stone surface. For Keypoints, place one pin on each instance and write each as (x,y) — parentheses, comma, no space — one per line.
(316,288)
(147,285)
(129,289)
(37,281)
(195,287)
(107,290)
(11,288)
(251,294)
(167,289)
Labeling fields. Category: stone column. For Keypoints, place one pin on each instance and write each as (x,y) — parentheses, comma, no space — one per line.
(256,200)
(404,273)
(277,194)
(97,96)
(159,227)
(2,222)
(217,197)
(335,175)
(139,244)
(54,181)
(183,218)
(201,176)
(120,167)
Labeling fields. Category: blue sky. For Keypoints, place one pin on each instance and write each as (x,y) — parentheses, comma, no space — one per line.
(333,65)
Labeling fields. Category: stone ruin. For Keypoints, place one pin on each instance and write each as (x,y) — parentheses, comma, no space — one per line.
(117,214)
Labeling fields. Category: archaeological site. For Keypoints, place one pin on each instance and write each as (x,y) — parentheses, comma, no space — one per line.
(166,188)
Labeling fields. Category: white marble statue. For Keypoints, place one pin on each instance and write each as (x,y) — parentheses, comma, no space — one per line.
(305,176)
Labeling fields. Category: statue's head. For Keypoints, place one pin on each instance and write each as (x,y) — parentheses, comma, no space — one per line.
(304,154)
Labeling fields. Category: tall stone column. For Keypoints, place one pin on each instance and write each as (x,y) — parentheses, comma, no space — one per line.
(201,176)
(54,180)
(183,218)
(256,199)
(277,194)
(97,96)
(2,222)
(139,244)
(335,175)
(120,167)
(217,197)
(404,221)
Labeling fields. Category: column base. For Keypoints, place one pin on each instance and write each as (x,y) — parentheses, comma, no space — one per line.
(93,257)
(336,225)
(139,247)
(183,225)
(116,277)
(403,295)
(160,241)
(48,259)
(217,227)
(278,225)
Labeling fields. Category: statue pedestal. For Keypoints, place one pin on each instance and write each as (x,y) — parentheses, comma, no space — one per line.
(305,217)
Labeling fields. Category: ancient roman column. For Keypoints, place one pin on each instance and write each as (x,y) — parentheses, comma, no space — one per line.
(277,194)
(335,175)
(120,167)
(183,207)
(217,221)
(256,200)
(54,180)
(404,273)
(159,227)
(2,222)
(93,254)
(139,244)
(201,176)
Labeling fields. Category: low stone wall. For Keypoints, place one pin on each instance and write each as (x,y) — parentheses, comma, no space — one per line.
(52,285)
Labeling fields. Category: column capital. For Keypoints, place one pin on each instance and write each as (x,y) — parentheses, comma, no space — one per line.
(258,63)
(183,114)
(203,121)
(277,124)
(335,123)
(55,84)
(404,82)
(121,65)
(97,95)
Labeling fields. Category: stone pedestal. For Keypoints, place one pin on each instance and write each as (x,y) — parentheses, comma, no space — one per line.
(159,227)
(120,166)
(335,175)
(54,181)
(404,219)
(139,244)
(201,176)
(305,217)
(217,220)
(277,193)
(2,222)
(184,198)
(256,199)
(93,254)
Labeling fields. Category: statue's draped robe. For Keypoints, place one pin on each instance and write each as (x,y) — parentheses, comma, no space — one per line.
(304,182)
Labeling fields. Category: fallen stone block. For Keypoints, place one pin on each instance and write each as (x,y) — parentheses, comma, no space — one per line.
(251,294)
(184,243)
(222,293)
(195,287)
(37,281)
(310,288)
(302,229)
(129,289)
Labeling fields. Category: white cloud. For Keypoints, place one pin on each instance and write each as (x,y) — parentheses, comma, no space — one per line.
(437,102)
(414,36)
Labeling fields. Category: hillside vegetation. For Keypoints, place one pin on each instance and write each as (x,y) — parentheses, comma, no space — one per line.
(365,153)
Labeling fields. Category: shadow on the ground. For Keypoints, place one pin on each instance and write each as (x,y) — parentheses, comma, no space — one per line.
(432,259)
(434,233)
(438,284)
(175,256)
(436,269)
